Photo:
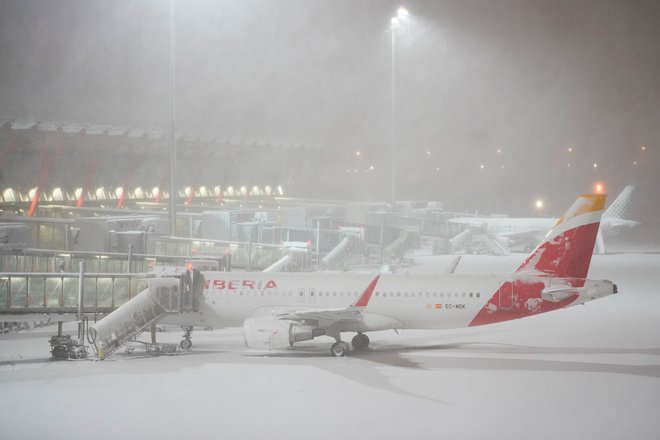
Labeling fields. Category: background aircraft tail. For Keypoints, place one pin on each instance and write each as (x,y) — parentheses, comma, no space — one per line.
(621,205)
(566,250)
(614,218)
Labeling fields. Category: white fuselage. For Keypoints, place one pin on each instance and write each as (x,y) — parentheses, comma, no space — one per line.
(398,301)
(503,226)
(538,226)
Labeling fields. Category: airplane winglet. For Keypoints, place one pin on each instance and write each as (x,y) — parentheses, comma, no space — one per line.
(363,300)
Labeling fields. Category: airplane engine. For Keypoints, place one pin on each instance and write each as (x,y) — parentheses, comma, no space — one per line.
(272,334)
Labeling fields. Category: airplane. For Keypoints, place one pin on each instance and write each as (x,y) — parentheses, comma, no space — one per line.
(614,218)
(529,231)
(277,310)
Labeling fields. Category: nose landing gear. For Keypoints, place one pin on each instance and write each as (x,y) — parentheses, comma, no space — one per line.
(186,342)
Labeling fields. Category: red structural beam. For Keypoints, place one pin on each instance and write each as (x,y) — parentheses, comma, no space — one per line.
(91,165)
(48,161)
(129,177)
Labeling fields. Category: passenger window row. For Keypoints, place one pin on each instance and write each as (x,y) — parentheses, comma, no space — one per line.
(429,294)
(289,293)
(355,294)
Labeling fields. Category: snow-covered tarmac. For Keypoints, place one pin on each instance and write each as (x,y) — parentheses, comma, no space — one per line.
(589,372)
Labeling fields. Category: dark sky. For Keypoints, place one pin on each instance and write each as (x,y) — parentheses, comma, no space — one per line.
(530,77)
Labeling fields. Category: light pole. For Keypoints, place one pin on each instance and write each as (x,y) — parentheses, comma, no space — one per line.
(401,18)
(172,200)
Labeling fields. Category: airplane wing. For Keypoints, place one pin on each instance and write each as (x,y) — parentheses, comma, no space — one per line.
(284,328)
(333,315)
(352,312)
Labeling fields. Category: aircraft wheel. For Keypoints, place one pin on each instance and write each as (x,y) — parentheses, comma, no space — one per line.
(339,349)
(360,342)
(185,344)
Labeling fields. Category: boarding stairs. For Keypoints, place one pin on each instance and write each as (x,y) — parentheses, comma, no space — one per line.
(492,243)
(164,296)
(475,240)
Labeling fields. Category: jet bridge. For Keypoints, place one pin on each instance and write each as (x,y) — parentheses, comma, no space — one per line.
(342,252)
(33,296)
(132,302)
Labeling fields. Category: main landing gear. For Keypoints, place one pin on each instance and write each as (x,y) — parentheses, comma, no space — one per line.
(360,342)
(186,342)
(340,348)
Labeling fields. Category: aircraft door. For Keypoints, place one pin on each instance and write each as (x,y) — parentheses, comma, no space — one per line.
(506,296)
(312,295)
(198,283)
(301,295)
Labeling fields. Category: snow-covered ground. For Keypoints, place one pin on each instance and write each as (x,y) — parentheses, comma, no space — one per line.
(589,372)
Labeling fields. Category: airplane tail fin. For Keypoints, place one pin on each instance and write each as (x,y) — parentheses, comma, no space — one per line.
(621,205)
(566,250)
